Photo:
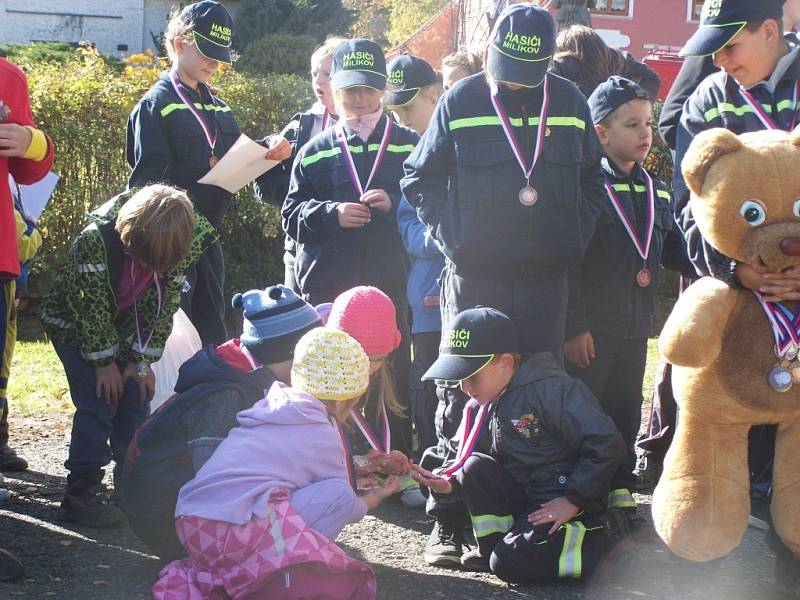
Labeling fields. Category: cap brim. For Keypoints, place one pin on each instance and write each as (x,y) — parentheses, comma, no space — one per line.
(213,51)
(347,79)
(508,69)
(709,39)
(451,367)
(400,97)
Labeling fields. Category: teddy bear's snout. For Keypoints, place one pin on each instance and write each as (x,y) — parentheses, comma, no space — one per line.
(790,246)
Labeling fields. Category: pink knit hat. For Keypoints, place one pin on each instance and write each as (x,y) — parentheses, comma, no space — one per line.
(368,315)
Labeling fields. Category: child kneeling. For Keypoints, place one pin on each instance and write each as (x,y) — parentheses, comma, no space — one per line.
(535,460)
(259,517)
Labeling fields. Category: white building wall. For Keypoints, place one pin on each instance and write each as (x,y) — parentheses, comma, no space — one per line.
(109,24)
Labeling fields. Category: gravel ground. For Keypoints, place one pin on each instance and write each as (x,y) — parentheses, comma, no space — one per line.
(70,562)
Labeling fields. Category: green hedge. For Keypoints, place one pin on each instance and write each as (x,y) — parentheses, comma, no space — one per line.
(83,103)
(278,53)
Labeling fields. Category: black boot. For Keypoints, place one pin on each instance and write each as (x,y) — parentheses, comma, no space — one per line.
(86,503)
(445,544)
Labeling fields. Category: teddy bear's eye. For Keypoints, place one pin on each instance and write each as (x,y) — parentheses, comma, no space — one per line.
(796,208)
(753,213)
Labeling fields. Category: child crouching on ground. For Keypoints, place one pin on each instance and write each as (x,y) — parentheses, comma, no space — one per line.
(259,518)
(536,457)
(108,314)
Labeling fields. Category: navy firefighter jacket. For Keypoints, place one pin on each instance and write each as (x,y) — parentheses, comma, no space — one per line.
(464,180)
(603,293)
(330,258)
(166,144)
(718,102)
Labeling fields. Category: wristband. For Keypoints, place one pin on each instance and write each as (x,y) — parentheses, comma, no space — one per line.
(37,149)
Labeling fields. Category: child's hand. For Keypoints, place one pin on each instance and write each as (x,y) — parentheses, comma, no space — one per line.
(435,482)
(579,349)
(390,486)
(557,511)
(279,148)
(776,287)
(377,199)
(352,214)
(14,141)
(394,463)
(147,384)
(108,383)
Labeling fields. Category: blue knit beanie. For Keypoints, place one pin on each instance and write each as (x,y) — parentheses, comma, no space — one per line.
(274,320)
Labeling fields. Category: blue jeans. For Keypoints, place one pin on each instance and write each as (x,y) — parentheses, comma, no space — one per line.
(96,423)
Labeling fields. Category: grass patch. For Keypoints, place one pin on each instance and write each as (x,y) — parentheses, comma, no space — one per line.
(37,384)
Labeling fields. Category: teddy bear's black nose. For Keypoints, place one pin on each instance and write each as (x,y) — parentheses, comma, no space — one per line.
(790,246)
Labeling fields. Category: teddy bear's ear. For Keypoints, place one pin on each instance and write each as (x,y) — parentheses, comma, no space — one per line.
(704,151)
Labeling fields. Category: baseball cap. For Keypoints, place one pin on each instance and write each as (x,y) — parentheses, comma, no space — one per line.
(358,62)
(213,29)
(408,74)
(471,340)
(722,20)
(521,45)
(611,94)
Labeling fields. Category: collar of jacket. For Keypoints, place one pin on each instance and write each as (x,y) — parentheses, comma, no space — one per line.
(610,167)
(535,367)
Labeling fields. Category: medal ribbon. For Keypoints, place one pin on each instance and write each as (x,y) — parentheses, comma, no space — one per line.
(348,458)
(370,436)
(762,114)
(512,139)
(348,158)
(785,326)
(176,84)
(143,346)
(470,433)
(326,116)
(642,248)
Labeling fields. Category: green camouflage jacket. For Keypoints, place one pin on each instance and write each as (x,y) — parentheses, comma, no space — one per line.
(81,307)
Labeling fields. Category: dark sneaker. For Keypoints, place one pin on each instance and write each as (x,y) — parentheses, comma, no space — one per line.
(88,505)
(9,461)
(10,567)
(648,472)
(445,545)
(618,528)
(472,560)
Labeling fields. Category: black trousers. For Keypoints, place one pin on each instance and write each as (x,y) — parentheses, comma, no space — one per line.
(289,278)
(657,438)
(422,394)
(615,377)
(518,551)
(534,297)
(450,406)
(204,301)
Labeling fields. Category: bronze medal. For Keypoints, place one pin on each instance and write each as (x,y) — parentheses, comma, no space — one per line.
(643,277)
(528,196)
(795,370)
(212,161)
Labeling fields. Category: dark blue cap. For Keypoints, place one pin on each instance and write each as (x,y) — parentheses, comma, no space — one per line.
(408,74)
(613,93)
(521,45)
(358,62)
(471,340)
(213,29)
(722,20)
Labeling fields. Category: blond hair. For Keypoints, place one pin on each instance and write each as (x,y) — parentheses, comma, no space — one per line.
(381,390)
(176,27)
(327,49)
(156,226)
(464,59)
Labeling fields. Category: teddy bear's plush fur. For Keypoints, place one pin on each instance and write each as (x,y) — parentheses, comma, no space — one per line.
(721,345)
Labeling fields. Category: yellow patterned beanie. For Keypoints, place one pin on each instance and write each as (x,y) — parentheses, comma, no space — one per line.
(330,365)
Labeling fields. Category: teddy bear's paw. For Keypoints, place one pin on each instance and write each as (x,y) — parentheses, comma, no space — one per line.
(700,518)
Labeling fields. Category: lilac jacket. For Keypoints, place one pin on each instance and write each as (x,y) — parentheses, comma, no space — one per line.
(286,440)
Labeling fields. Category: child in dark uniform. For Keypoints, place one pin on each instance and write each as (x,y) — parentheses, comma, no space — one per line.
(613,294)
(177,132)
(535,460)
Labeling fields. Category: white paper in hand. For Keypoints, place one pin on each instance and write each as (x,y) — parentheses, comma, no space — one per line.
(241,164)
(35,197)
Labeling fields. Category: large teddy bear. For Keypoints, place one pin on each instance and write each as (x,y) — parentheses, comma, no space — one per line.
(746,202)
